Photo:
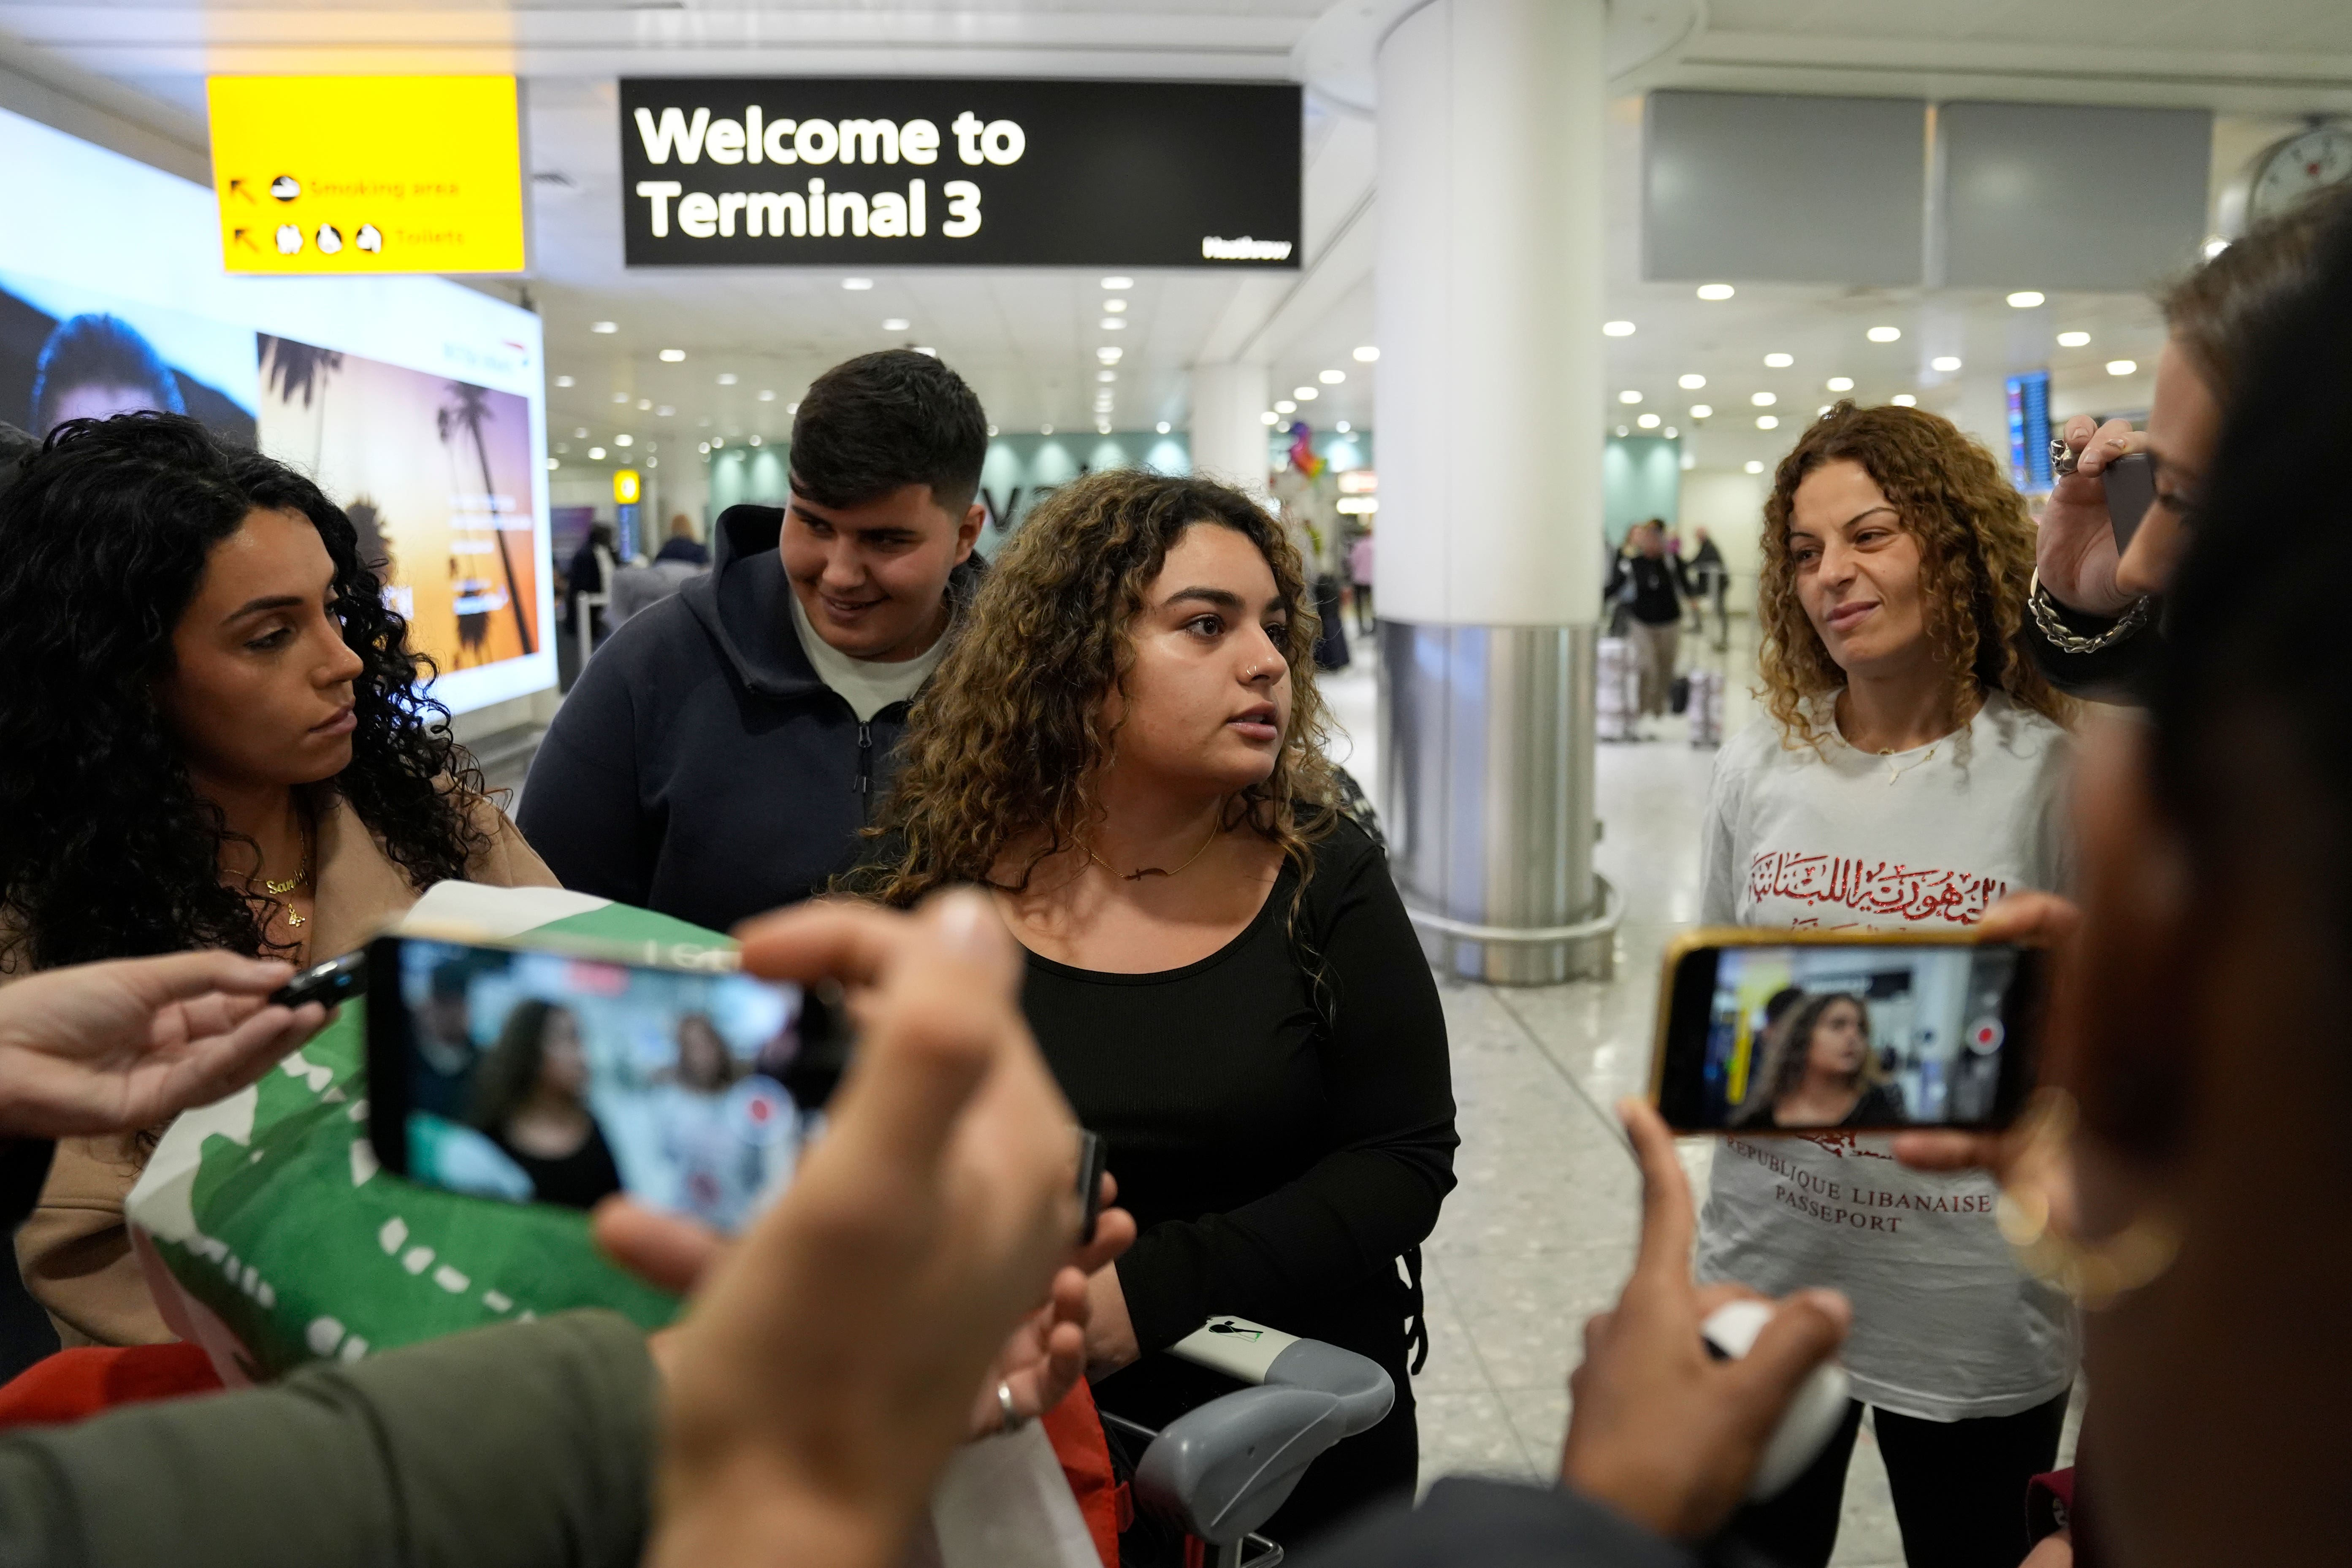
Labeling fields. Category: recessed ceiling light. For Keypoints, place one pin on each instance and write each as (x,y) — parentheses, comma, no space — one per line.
(1330,377)
(1628,396)
(1648,421)
(604,326)
(1283,405)
(726,378)
(2074,340)
(1111,324)
(704,448)
(1622,431)
(790,409)
(644,403)
(625,440)
(1161,428)
(672,356)
(1904,400)
(857,285)
(1768,422)
(755,440)
(563,380)
(1114,285)
(1044,429)
(1102,427)
(1779,362)
(1114,306)
(1715,291)
(554,463)
(1109,355)
(927,348)
(2122,366)
(596,454)
(1824,408)
(991,429)
(2025,300)
(1752,465)
(717,442)
(1947,362)
(1691,382)
(581,433)
(1367,355)
(1617,329)
(663,411)
(1763,399)
(653,462)
(1106,375)
(1671,432)
(1343,426)
(1268,418)
(620,397)
(1884,334)
(1701,411)
(1841,384)
(1306,394)
(2215,246)
(896,323)
(767,395)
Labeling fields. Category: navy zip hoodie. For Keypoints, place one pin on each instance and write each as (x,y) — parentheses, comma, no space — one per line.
(700,766)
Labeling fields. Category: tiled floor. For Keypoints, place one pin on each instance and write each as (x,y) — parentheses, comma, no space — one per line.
(1539,1233)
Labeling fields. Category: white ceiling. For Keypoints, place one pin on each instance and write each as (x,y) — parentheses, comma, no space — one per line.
(1027,338)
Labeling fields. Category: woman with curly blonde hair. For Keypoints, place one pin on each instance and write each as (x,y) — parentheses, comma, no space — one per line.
(1124,746)
(1908,777)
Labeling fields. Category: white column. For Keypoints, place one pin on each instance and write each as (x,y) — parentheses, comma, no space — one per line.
(1229,430)
(1489,398)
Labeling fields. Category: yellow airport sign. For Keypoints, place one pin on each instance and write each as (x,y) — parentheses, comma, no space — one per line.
(627,486)
(367,174)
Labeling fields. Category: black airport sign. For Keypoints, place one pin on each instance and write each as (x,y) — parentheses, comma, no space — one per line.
(811,171)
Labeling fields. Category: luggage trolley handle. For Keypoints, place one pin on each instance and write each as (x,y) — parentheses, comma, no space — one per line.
(1223,1470)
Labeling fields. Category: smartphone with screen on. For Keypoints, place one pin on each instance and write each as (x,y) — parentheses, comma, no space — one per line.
(546,1077)
(2130,482)
(1765,1032)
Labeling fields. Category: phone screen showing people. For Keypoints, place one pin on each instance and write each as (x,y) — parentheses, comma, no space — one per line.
(541,1078)
(1817,1038)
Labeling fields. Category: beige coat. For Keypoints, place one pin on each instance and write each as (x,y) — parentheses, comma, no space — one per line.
(75,1250)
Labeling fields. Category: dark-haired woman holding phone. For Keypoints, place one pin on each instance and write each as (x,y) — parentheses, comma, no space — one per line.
(212,733)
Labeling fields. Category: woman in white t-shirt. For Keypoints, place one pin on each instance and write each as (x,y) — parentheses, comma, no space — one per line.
(1908,776)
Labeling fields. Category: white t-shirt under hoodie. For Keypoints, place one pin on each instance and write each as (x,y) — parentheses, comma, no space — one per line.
(1946,1327)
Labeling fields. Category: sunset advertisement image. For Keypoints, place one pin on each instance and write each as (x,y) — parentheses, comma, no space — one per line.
(437,473)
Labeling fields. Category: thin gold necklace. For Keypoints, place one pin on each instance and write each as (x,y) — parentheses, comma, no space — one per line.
(1154,870)
(294,918)
(1895,775)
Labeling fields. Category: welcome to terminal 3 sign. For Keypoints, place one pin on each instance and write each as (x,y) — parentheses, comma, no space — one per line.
(938,172)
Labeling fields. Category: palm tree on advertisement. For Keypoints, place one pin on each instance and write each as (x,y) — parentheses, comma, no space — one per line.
(468,410)
(289,367)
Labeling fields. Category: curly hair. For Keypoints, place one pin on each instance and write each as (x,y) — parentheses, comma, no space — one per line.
(1791,1051)
(1976,565)
(1009,739)
(106,848)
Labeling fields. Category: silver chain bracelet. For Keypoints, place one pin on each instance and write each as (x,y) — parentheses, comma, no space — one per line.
(2066,640)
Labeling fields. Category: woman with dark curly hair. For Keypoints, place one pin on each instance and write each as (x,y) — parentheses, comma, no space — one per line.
(1124,745)
(1908,776)
(212,733)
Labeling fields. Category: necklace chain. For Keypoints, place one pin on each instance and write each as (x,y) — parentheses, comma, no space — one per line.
(1895,775)
(1136,876)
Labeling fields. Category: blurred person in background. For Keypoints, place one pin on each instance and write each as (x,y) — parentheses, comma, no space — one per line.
(1648,582)
(682,543)
(2098,612)
(213,734)
(1710,580)
(718,760)
(1906,775)
(1125,747)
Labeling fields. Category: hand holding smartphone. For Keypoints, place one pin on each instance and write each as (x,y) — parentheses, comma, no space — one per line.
(1764,1032)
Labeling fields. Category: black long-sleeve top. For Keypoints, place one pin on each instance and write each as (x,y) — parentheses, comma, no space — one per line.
(1658,587)
(1276,1163)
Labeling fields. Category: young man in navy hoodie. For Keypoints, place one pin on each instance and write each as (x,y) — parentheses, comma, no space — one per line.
(719,755)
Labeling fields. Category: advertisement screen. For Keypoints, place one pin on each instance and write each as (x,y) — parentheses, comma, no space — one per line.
(416,405)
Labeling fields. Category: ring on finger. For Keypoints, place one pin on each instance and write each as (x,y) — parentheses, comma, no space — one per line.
(1013,1419)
